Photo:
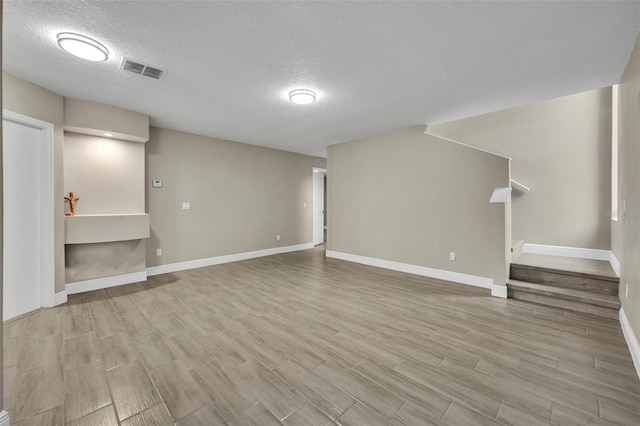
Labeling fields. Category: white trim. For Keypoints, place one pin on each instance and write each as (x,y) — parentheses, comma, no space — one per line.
(47,225)
(210,261)
(424,271)
(499,291)
(106,282)
(632,340)
(615,263)
(25,119)
(582,253)
(60,298)
(500,195)
(319,238)
(520,186)
(4,418)
(426,132)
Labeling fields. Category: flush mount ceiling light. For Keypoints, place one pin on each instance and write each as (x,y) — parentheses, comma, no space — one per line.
(302,96)
(83,47)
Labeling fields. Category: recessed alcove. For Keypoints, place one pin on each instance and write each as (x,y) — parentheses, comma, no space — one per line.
(105,239)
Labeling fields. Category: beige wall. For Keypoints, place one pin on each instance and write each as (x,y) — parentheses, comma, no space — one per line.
(34,101)
(561,149)
(629,175)
(107,174)
(413,198)
(241,197)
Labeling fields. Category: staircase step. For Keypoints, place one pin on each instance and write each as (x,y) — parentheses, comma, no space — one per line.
(589,282)
(600,311)
(586,267)
(581,296)
(581,285)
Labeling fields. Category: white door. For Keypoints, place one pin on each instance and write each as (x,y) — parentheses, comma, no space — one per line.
(318,206)
(21,146)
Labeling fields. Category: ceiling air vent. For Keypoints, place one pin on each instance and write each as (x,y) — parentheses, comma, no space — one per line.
(142,69)
(152,72)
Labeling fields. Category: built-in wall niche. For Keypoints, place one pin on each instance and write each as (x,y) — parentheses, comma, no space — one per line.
(107,175)
(104,157)
(104,167)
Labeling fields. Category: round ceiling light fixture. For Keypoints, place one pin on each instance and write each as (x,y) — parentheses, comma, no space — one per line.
(83,47)
(302,96)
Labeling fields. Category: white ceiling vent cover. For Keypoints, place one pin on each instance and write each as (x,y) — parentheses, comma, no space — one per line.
(142,69)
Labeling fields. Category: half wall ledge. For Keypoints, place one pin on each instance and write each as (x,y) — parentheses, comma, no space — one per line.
(103,228)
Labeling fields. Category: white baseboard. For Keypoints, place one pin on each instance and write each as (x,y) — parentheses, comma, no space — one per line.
(60,298)
(615,263)
(582,253)
(99,283)
(499,291)
(632,340)
(424,271)
(210,261)
(4,418)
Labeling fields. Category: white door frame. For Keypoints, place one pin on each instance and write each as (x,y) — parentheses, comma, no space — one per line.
(324,172)
(47,229)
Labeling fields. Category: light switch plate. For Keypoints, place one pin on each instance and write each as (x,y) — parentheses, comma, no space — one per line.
(186,206)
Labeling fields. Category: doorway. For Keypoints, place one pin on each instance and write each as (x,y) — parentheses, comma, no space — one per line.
(28,226)
(319,180)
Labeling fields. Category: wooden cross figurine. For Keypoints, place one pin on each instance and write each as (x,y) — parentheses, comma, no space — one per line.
(72,204)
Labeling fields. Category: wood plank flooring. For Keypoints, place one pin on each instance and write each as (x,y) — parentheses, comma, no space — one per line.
(297,339)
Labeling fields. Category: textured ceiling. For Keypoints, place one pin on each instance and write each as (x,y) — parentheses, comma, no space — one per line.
(376,66)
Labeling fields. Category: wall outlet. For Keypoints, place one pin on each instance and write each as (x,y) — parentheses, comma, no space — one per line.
(159,252)
(278,237)
(626,290)
(452,255)
(157,183)
(186,206)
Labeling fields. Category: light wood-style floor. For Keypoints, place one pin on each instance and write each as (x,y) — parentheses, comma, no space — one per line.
(300,340)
